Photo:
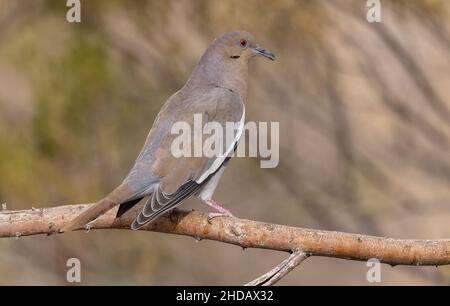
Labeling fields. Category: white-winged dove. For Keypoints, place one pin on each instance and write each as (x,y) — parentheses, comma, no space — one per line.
(216,89)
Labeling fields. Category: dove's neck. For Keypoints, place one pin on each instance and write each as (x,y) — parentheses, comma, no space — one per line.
(212,70)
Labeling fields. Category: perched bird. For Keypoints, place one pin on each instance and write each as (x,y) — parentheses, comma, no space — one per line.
(216,89)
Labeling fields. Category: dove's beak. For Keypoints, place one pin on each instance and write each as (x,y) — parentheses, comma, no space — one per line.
(262,52)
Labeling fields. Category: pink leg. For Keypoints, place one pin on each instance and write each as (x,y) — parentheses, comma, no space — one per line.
(222,211)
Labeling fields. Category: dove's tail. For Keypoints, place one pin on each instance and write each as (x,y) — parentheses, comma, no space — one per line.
(120,195)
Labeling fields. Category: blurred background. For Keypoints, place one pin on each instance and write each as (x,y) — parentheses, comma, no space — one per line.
(364,112)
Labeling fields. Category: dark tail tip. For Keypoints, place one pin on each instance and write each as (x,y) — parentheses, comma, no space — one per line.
(124,207)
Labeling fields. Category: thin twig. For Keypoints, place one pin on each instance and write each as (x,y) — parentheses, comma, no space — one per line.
(280,271)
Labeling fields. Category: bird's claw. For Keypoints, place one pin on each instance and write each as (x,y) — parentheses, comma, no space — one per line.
(216,215)
(172,216)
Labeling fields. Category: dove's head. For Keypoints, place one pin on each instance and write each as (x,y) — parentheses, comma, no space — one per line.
(239,46)
(225,62)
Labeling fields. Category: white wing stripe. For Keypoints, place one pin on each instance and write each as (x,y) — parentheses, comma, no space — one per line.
(219,160)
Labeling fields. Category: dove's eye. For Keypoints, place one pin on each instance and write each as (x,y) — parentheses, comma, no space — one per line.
(243,43)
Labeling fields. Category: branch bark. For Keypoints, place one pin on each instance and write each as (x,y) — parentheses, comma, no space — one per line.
(243,233)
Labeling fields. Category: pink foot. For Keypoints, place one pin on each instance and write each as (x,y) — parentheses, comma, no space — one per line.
(222,211)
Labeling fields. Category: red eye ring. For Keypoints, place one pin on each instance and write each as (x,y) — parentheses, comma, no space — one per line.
(243,43)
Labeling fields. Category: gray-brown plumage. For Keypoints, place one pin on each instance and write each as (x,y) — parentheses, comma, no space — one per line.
(216,89)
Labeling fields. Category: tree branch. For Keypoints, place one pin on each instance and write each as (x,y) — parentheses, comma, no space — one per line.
(280,271)
(245,233)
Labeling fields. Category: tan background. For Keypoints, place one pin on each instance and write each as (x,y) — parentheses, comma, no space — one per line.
(364,111)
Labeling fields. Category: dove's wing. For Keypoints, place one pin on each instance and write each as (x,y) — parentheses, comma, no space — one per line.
(180,177)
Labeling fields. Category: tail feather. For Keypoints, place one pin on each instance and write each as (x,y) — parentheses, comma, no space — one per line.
(124,207)
(118,196)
